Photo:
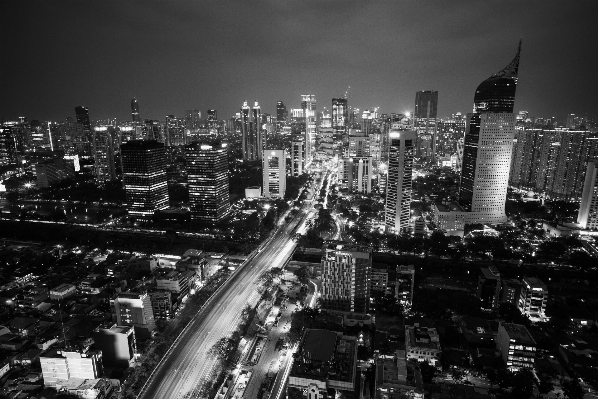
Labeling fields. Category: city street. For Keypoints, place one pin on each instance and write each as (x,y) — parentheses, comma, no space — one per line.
(188,364)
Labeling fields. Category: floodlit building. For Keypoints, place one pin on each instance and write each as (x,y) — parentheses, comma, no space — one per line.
(326,362)
(489,287)
(117,343)
(516,346)
(399,179)
(274,173)
(340,114)
(487,152)
(133,309)
(533,299)
(63,291)
(144,177)
(207,174)
(346,270)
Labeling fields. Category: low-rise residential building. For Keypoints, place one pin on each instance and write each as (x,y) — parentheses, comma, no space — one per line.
(422,344)
(175,282)
(516,345)
(325,361)
(63,291)
(510,291)
(405,284)
(162,305)
(59,365)
(533,298)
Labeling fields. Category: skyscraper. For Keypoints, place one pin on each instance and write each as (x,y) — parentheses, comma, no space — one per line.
(207,173)
(135,111)
(488,147)
(588,210)
(144,177)
(252,143)
(82,114)
(297,156)
(356,174)
(256,125)
(308,105)
(340,114)
(426,107)
(192,119)
(346,271)
(281,112)
(274,174)
(103,153)
(401,150)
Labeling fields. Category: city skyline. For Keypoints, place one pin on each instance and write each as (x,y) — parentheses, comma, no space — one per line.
(219,74)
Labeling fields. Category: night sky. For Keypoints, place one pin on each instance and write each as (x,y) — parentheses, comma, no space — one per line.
(175,55)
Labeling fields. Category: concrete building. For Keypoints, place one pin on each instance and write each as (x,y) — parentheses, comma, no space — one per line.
(63,291)
(103,153)
(405,284)
(399,179)
(176,282)
(297,156)
(134,309)
(274,173)
(516,346)
(533,299)
(207,174)
(356,174)
(53,171)
(117,343)
(422,344)
(489,287)
(162,305)
(308,105)
(346,270)
(326,361)
(60,365)
(425,123)
(588,210)
(510,291)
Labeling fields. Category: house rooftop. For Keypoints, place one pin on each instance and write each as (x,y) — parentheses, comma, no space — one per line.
(519,333)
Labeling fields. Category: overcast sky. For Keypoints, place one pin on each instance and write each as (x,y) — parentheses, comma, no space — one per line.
(176,55)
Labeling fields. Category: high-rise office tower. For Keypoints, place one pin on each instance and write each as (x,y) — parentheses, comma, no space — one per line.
(103,153)
(207,174)
(192,119)
(274,173)
(488,145)
(426,106)
(256,125)
(82,114)
(346,271)
(356,174)
(297,156)
(281,112)
(401,150)
(144,177)
(175,132)
(252,143)
(212,119)
(134,309)
(308,105)
(588,210)
(340,114)
(11,143)
(135,111)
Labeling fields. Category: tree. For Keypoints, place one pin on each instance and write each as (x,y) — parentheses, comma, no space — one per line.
(302,274)
(545,384)
(225,350)
(492,376)
(572,389)
(457,373)
(504,378)
(428,372)
(523,384)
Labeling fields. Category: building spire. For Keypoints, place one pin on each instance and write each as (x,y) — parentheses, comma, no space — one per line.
(512,69)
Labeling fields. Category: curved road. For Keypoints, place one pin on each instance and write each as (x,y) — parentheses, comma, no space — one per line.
(188,365)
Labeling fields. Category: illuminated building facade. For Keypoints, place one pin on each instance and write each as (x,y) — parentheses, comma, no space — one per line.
(175,131)
(516,345)
(588,210)
(346,270)
(308,105)
(103,153)
(192,119)
(340,114)
(533,299)
(207,174)
(356,174)
(274,174)
(252,143)
(135,111)
(426,108)
(401,151)
(144,177)
(297,156)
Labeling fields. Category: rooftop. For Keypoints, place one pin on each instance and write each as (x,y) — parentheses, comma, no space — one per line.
(491,273)
(347,247)
(448,207)
(519,333)
(534,282)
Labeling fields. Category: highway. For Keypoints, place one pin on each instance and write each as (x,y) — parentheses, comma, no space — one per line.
(187,365)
